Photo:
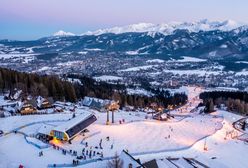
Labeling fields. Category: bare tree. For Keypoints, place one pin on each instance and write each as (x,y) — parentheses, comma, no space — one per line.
(116,162)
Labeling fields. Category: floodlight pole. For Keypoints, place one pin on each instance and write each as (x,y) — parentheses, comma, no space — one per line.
(113,116)
(107,123)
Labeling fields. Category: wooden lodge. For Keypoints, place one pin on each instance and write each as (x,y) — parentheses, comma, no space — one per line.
(100,104)
(45,103)
(28,107)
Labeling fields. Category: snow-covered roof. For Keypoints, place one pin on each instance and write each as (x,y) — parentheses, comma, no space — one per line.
(45,129)
(89,101)
(128,159)
(165,163)
(72,122)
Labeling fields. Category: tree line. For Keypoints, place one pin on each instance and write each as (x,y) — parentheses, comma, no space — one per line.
(63,90)
(235,101)
(35,85)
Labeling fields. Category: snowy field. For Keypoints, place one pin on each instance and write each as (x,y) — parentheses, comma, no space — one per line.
(142,136)
(108,78)
(188,59)
(193,72)
(138,68)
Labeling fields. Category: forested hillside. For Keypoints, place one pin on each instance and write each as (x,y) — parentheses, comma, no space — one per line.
(61,89)
(235,101)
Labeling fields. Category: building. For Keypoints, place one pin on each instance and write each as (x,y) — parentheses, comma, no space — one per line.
(99,104)
(44,103)
(44,133)
(73,127)
(28,107)
(129,161)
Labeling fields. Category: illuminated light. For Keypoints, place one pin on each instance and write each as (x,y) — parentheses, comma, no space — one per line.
(55,141)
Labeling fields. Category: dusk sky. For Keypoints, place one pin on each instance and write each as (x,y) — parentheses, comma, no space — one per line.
(32,19)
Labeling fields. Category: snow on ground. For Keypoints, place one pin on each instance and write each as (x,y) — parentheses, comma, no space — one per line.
(139,91)
(14,151)
(93,49)
(182,89)
(155,61)
(188,59)
(152,136)
(44,68)
(245,73)
(25,58)
(138,68)
(193,72)
(221,89)
(108,78)
(241,62)
(144,138)
(70,63)
(74,80)
(227,152)
(10,123)
(132,52)
(83,52)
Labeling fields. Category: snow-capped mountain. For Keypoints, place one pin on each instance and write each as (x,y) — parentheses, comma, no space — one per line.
(224,42)
(169,28)
(63,33)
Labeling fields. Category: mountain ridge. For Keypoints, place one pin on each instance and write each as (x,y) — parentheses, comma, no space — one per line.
(166,28)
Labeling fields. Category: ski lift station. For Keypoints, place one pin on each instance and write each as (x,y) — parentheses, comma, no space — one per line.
(73,127)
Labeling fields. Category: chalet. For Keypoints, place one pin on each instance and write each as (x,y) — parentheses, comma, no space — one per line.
(73,127)
(99,104)
(13,95)
(8,107)
(44,103)
(27,107)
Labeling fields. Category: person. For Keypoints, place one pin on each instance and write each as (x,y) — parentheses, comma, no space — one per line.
(112,146)
(94,153)
(21,166)
(90,154)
